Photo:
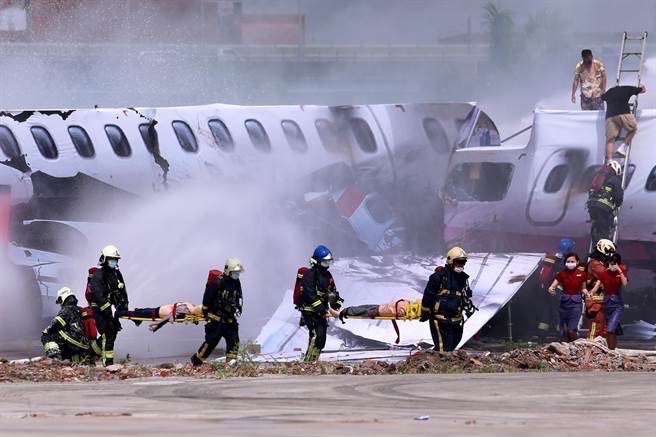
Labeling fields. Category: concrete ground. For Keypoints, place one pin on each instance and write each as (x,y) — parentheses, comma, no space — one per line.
(517,404)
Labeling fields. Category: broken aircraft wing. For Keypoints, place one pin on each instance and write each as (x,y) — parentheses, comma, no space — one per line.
(494,279)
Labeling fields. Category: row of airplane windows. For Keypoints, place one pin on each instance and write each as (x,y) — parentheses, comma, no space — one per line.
(328,133)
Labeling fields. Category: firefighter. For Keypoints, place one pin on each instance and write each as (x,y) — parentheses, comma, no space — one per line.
(604,199)
(446,297)
(319,295)
(107,289)
(64,338)
(222,306)
(599,258)
(552,265)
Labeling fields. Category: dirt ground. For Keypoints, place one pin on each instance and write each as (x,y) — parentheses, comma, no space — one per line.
(509,404)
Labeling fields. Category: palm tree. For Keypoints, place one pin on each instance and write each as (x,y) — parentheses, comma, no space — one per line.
(500,27)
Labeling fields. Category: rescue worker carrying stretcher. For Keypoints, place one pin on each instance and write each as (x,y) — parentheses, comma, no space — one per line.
(65,338)
(319,294)
(107,289)
(446,297)
(222,305)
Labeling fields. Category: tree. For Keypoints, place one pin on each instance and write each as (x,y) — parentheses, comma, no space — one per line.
(500,28)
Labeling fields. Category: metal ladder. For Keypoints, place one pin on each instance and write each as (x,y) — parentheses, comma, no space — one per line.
(629,65)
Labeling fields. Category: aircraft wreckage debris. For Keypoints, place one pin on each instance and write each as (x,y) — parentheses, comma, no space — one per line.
(581,355)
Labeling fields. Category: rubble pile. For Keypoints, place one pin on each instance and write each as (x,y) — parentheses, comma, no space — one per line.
(578,356)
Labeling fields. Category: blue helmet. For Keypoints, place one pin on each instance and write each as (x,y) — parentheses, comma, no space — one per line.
(566,245)
(321,253)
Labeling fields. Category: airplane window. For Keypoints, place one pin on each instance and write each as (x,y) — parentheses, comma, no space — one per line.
(118,140)
(479,181)
(328,135)
(186,136)
(556,178)
(436,135)
(651,181)
(8,143)
(294,136)
(221,135)
(148,136)
(363,135)
(44,142)
(258,135)
(81,141)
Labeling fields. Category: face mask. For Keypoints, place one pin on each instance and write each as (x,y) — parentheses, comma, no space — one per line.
(570,265)
(234,275)
(458,269)
(326,264)
(112,263)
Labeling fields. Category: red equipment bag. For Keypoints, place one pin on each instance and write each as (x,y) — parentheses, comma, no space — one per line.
(89,323)
(599,178)
(87,292)
(298,289)
(214,275)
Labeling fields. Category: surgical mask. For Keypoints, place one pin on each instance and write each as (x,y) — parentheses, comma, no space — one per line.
(326,264)
(112,263)
(570,265)
(458,269)
(234,275)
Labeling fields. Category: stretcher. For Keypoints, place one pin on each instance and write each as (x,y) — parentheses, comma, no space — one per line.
(401,309)
(179,312)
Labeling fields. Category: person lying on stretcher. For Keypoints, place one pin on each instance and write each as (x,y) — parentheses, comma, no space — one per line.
(399,309)
(164,314)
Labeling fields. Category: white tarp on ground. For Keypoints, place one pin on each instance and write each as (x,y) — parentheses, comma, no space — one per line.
(494,279)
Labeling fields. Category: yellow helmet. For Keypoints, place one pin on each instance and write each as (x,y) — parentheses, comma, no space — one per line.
(606,247)
(455,253)
(63,294)
(109,251)
(232,265)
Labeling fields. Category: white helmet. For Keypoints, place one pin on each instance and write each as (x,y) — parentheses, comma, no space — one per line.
(617,168)
(109,251)
(63,294)
(232,265)
(605,246)
(456,253)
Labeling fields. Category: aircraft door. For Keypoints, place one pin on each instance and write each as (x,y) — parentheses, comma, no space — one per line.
(552,186)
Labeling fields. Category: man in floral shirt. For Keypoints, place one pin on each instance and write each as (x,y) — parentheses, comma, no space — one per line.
(591,75)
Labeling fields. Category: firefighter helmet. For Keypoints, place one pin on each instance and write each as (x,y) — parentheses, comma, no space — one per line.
(617,168)
(605,246)
(109,251)
(321,253)
(232,265)
(456,253)
(63,294)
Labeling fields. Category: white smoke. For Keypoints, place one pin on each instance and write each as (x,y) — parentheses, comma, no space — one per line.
(170,242)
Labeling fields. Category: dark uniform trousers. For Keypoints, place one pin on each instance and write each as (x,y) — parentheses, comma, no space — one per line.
(318,326)
(214,332)
(446,334)
(602,219)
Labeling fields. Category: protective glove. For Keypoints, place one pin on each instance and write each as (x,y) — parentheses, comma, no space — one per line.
(425,315)
(117,325)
